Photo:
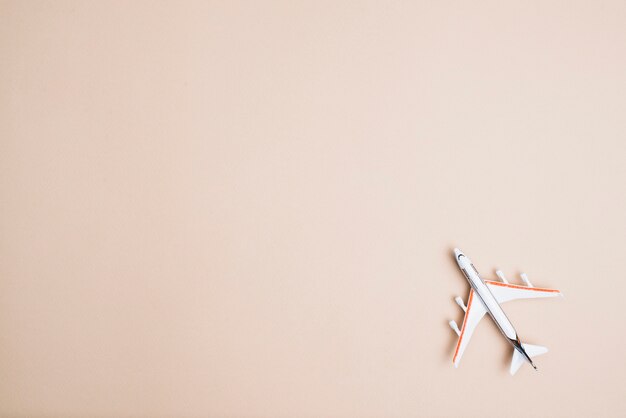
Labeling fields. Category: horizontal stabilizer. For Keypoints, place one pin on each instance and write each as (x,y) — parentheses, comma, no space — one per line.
(519,359)
(534,350)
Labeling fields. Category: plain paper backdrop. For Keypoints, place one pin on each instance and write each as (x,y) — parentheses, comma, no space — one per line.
(248,208)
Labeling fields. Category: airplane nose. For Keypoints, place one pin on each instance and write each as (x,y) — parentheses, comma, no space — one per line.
(457,253)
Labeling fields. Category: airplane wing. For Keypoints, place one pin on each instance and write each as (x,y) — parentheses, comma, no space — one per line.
(504,292)
(473,314)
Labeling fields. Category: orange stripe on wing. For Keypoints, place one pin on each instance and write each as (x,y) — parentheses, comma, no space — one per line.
(514,286)
(469,306)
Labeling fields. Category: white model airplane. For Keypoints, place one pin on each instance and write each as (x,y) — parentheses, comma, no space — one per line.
(485,297)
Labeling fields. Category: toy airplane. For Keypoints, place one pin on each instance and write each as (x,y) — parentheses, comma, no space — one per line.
(486,296)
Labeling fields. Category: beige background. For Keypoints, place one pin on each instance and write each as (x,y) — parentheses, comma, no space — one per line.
(248,209)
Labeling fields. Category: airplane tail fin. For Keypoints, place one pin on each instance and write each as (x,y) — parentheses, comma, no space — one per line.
(519,359)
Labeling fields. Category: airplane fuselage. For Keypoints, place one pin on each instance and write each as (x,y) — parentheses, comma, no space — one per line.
(490,303)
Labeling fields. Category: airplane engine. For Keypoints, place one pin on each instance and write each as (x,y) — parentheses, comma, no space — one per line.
(501,276)
(454,327)
(525,278)
(459,302)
